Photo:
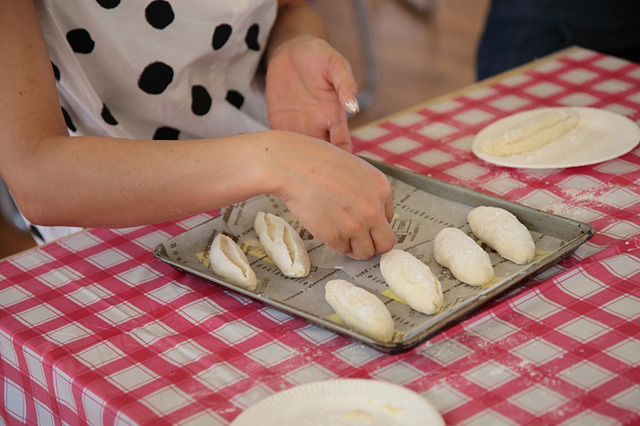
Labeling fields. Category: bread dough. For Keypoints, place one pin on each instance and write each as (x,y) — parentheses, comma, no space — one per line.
(412,281)
(360,310)
(503,232)
(283,245)
(228,260)
(533,134)
(466,260)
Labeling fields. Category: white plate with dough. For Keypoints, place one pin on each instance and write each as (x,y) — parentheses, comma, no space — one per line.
(342,402)
(600,135)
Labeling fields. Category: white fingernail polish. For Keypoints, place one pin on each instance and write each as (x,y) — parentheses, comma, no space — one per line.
(352,106)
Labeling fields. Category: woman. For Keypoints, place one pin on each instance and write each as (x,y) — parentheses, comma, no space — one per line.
(155,111)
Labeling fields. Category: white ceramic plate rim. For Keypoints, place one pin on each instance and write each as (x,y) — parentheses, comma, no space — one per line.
(601,135)
(356,394)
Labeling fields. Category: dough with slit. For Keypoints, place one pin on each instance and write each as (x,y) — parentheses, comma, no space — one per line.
(283,245)
(412,281)
(503,232)
(227,260)
(360,310)
(466,260)
(533,134)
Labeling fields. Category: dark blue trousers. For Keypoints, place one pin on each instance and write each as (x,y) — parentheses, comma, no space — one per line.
(519,31)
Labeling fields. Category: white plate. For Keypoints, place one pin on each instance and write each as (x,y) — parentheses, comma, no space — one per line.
(342,402)
(600,136)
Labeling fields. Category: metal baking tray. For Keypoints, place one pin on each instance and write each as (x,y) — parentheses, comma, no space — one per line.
(423,206)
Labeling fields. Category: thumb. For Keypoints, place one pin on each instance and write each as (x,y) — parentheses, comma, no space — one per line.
(341,78)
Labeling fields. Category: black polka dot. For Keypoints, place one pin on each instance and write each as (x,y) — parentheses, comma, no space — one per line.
(35,231)
(166,133)
(155,78)
(200,100)
(221,36)
(159,14)
(80,40)
(235,98)
(106,116)
(108,4)
(252,37)
(67,120)
(56,71)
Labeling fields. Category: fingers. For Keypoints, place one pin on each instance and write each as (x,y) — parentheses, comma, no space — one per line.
(340,136)
(371,238)
(360,240)
(388,209)
(362,248)
(383,239)
(376,241)
(375,235)
(341,78)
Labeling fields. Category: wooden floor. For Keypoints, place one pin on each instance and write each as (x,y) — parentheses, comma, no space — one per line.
(419,57)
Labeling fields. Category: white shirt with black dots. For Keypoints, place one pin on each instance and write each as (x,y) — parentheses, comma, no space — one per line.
(158,69)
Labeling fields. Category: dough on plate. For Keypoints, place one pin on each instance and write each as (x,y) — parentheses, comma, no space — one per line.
(412,281)
(360,310)
(283,245)
(542,129)
(466,260)
(503,232)
(229,261)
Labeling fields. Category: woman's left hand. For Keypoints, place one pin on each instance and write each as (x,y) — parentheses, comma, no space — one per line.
(309,89)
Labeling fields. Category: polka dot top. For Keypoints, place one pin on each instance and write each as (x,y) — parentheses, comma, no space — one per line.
(159,69)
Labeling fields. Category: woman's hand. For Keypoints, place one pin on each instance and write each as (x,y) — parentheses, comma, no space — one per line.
(339,198)
(309,89)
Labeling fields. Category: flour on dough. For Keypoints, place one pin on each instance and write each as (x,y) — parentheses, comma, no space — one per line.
(283,245)
(503,232)
(466,260)
(228,260)
(360,310)
(542,129)
(412,281)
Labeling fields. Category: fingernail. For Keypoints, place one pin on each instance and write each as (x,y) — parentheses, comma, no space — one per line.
(351,105)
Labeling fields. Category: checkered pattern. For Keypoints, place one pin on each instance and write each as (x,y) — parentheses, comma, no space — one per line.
(94,329)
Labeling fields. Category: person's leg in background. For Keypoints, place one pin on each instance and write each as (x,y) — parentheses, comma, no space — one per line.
(520,31)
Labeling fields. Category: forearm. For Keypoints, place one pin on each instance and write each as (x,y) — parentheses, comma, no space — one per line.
(295,19)
(104,182)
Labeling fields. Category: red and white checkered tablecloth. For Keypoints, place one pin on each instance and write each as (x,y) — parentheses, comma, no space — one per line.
(94,329)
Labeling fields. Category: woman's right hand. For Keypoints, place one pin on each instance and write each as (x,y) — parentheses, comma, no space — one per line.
(341,199)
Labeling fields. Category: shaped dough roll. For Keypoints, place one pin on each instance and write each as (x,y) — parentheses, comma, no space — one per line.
(283,245)
(503,232)
(466,260)
(360,310)
(229,261)
(541,130)
(412,281)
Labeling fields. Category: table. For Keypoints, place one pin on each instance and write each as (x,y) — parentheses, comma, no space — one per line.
(94,329)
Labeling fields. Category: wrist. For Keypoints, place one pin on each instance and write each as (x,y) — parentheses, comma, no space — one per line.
(295,20)
(270,154)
